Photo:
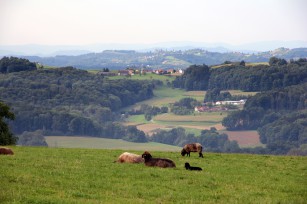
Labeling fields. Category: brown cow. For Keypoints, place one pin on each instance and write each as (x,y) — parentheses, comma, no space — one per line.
(159,162)
(6,151)
(193,147)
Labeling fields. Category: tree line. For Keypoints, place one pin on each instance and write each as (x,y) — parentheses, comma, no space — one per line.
(14,64)
(278,74)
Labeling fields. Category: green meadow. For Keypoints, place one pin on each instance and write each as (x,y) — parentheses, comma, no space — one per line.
(59,175)
(105,143)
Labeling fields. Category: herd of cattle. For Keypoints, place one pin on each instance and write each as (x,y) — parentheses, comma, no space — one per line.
(146,157)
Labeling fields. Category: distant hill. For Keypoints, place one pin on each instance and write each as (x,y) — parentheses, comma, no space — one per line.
(73,50)
(120,59)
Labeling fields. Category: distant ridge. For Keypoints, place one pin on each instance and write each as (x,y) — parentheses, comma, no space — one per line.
(121,59)
(73,50)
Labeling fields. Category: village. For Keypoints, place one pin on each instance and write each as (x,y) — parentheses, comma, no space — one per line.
(142,71)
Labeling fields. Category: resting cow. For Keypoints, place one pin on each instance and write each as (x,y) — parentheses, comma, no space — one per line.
(6,151)
(127,157)
(159,162)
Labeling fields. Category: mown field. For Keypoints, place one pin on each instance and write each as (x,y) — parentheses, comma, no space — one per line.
(104,143)
(58,175)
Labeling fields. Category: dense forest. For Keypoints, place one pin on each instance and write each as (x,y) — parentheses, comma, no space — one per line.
(245,78)
(68,101)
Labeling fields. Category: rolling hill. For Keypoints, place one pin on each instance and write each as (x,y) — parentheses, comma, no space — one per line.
(120,59)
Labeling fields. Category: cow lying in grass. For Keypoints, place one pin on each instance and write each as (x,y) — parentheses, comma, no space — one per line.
(6,151)
(127,157)
(193,147)
(192,168)
(159,162)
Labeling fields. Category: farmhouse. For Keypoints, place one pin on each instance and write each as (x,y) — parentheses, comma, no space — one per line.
(181,71)
(124,72)
(241,102)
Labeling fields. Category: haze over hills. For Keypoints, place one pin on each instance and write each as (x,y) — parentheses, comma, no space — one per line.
(165,59)
(74,50)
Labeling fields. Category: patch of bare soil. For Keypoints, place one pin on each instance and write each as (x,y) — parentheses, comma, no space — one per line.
(244,138)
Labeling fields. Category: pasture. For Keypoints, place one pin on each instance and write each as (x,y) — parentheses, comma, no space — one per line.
(59,175)
(105,143)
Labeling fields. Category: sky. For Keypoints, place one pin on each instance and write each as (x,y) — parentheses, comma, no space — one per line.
(81,22)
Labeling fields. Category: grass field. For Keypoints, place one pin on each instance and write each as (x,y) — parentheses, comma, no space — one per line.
(104,143)
(148,76)
(59,175)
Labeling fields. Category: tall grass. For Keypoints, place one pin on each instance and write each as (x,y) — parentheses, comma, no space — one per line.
(46,175)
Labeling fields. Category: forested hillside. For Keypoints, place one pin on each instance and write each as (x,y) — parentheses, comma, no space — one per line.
(278,111)
(279,115)
(68,101)
(245,78)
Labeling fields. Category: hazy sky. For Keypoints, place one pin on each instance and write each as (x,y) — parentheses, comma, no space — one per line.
(80,22)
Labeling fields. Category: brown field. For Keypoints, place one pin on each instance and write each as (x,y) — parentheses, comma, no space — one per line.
(244,138)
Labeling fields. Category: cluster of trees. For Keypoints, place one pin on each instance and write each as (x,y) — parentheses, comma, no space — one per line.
(195,77)
(245,78)
(35,138)
(211,140)
(6,136)
(184,106)
(14,64)
(148,111)
(68,101)
(216,94)
(288,132)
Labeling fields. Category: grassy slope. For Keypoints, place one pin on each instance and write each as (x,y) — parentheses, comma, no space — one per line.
(48,175)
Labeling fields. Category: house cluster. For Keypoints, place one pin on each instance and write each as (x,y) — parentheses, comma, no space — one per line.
(217,106)
(236,103)
(169,71)
(132,71)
